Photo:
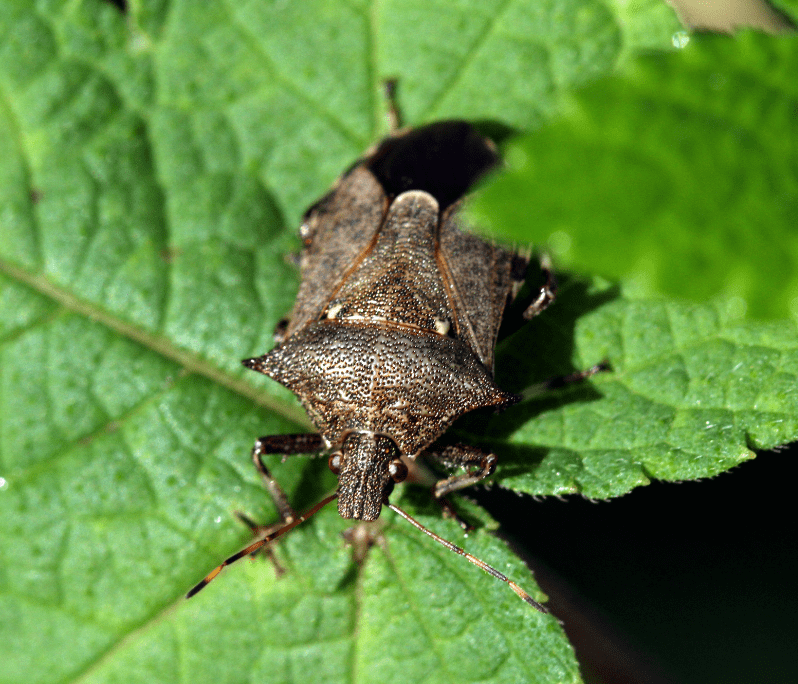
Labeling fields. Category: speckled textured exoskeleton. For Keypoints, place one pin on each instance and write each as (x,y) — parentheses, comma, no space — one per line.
(393,331)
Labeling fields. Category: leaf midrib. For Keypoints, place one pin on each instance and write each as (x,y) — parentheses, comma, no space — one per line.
(192,362)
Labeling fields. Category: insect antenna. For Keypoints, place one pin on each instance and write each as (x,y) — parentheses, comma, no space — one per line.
(261,542)
(473,559)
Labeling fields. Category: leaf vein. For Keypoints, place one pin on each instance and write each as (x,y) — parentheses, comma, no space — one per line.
(191,361)
(291,88)
(19,144)
(469,56)
(408,594)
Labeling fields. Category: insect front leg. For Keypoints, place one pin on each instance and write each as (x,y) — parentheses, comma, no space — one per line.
(266,534)
(286,445)
(278,444)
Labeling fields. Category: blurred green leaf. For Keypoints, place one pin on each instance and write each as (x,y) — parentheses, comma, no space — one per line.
(678,175)
(790,8)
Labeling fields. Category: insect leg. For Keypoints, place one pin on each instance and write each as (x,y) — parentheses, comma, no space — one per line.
(478,464)
(286,445)
(274,444)
(564,380)
(277,444)
(547,292)
(394,115)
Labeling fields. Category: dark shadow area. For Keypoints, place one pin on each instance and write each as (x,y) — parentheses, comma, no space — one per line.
(349,579)
(516,460)
(417,500)
(444,159)
(531,352)
(121,5)
(697,577)
(317,482)
(784,17)
(539,352)
(497,131)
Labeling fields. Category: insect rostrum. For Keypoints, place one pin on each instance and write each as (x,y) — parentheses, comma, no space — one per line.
(393,331)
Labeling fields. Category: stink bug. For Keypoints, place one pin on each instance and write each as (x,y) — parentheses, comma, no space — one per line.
(393,331)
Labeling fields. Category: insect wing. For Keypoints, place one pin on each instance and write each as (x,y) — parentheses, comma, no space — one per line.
(480,278)
(337,231)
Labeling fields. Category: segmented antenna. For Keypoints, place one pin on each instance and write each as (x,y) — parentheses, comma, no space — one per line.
(302,518)
(473,559)
(261,542)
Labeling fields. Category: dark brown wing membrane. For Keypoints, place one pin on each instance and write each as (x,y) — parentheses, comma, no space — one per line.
(480,281)
(337,232)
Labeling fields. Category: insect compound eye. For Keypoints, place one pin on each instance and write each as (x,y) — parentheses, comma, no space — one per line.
(397,470)
(335,462)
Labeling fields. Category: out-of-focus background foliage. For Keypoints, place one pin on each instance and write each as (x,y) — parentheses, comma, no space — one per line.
(696,580)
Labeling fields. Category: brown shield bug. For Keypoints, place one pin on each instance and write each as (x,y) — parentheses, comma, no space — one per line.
(393,331)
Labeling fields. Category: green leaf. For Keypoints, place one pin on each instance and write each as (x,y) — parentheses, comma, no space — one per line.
(401,617)
(154,167)
(679,175)
(692,391)
(790,8)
